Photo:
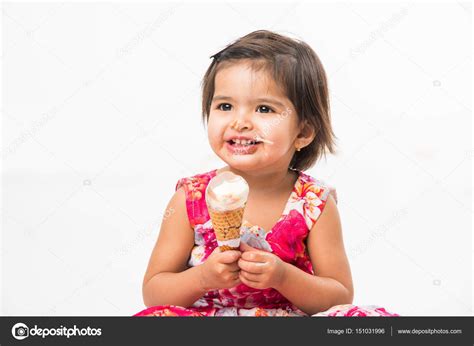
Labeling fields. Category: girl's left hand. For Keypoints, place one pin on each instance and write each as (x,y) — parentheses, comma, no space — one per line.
(260,269)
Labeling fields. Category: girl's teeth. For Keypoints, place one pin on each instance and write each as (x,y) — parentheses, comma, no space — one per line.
(243,142)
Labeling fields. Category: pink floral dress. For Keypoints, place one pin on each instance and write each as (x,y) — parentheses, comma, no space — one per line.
(287,239)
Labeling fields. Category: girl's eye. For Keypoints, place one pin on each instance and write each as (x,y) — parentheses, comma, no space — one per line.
(225,107)
(264,109)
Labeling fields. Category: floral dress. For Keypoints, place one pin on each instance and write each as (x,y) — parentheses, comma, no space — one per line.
(287,240)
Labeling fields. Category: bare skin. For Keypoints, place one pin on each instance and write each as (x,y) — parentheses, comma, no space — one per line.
(331,283)
(168,280)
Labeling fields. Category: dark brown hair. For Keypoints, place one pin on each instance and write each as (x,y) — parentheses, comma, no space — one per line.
(297,69)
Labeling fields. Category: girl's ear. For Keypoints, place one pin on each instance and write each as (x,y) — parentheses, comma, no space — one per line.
(305,136)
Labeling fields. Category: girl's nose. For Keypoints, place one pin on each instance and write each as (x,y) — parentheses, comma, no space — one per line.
(241,123)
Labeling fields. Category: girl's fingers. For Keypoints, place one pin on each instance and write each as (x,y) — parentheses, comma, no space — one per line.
(233,267)
(251,267)
(250,276)
(249,283)
(244,281)
(254,256)
(229,257)
(236,274)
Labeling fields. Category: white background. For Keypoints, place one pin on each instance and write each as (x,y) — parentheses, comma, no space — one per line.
(101,117)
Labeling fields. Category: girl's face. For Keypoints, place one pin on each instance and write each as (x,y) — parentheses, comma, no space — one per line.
(249,105)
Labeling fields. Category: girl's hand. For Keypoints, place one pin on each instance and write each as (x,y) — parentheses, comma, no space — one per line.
(260,269)
(220,270)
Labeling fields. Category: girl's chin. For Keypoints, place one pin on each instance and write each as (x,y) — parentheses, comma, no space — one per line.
(244,167)
(245,162)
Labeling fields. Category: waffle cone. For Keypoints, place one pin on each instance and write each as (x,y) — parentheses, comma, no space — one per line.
(226,225)
(227,248)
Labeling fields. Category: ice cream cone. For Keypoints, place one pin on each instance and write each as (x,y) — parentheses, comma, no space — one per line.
(226,197)
(226,226)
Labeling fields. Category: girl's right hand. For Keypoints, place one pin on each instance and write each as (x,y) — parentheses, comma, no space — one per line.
(220,270)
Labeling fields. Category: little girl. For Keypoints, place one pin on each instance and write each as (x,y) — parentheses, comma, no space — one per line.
(265,101)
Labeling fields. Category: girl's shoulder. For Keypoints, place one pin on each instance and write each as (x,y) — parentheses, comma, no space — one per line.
(196,182)
(195,189)
(309,184)
(308,198)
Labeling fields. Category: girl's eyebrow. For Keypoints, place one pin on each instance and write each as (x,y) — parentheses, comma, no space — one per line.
(261,99)
(220,97)
(270,100)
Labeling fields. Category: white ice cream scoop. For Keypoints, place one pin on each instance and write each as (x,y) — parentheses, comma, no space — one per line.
(227,191)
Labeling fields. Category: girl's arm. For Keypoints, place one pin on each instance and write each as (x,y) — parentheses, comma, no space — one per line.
(332,283)
(168,281)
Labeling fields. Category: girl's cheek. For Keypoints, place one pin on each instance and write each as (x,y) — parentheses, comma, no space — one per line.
(277,130)
(278,149)
(212,138)
(215,131)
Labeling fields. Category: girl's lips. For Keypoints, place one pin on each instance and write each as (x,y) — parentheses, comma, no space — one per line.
(240,149)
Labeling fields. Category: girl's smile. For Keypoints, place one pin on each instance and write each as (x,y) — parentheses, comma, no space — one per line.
(241,145)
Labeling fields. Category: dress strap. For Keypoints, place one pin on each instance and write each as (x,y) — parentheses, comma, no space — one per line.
(310,198)
(195,189)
